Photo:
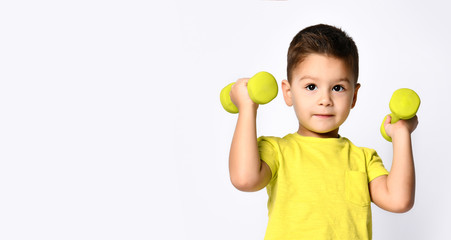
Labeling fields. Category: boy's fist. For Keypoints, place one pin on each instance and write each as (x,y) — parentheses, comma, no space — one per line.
(408,125)
(240,96)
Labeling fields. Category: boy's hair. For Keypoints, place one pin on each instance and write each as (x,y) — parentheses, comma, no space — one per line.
(323,39)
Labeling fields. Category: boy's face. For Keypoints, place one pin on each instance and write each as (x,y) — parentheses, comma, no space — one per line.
(322,92)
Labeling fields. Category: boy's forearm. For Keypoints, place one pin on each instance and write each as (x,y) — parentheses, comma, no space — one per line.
(401,180)
(244,160)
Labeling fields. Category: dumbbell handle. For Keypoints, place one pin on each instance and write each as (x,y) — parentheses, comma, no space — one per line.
(404,105)
(262,88)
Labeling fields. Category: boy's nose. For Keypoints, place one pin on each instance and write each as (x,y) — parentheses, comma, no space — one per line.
(325,100)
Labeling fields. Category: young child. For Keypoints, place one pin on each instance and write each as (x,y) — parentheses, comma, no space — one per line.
(319,184)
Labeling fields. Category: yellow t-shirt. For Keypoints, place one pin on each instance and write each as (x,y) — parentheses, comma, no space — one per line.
(319,187)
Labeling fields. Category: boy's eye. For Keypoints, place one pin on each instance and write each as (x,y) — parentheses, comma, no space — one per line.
(311,87)
(338,88)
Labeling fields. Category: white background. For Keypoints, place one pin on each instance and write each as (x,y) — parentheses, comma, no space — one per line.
(111,126)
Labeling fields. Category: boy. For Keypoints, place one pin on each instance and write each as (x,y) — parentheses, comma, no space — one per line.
(320,185)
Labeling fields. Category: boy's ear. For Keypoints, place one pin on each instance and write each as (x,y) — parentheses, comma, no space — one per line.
(354,99)
(286,89)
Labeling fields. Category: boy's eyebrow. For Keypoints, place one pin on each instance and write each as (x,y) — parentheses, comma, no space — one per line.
(307,77)
(344,80)
(315,79)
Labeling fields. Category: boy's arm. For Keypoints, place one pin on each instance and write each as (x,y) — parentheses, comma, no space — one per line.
(247,172)
(396,192)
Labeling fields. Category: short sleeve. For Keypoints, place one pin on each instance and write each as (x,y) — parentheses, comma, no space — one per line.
(269,153)
(375,167)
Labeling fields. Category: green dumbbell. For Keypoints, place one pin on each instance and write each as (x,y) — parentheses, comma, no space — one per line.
(262,88)
(404,105)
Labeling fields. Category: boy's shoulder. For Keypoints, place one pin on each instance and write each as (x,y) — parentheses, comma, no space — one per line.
(368,152)
(273,140)
(269,141)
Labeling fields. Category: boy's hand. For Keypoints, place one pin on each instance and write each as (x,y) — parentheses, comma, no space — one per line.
(402,125)
(240,96)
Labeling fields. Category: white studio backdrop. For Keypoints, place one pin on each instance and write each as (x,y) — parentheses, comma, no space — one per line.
(111,126)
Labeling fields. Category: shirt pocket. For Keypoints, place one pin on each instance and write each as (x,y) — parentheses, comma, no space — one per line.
(356,188)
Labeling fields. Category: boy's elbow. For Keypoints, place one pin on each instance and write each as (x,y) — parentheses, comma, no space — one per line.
(244,184)
(244,187)
(403,206)
(407,206)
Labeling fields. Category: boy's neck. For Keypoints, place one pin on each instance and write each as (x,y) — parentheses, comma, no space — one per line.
(307,133)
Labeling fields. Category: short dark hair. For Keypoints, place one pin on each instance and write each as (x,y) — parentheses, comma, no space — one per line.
(323,39)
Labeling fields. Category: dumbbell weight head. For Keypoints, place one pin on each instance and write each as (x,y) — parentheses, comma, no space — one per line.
(382,129)
(226,102)
(262,88)
(404,104)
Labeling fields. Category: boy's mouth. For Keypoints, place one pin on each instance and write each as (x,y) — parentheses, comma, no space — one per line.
(323,115)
